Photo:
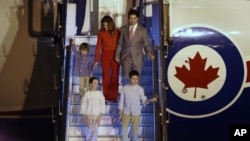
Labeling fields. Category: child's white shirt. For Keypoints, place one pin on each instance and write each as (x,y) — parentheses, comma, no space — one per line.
(93,103)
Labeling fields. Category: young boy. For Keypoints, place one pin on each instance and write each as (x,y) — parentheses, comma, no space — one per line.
(83,65)
(130,105)
(92,109)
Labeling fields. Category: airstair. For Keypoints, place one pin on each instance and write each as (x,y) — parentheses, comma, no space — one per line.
(110,128)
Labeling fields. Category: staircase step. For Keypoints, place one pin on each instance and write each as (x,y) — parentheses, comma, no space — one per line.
(91,40)
(145,131)
(145,82)
(146,70)
(110,109)
(111,120)
(148,90)
(109,138)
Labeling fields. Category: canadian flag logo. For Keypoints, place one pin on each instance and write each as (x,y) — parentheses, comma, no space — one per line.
(196,73)
(197,76)
(206,72)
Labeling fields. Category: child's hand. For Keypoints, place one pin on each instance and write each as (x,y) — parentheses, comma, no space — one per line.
(120,117)
(71,41)
(84,119)
(98,119)
(153,99)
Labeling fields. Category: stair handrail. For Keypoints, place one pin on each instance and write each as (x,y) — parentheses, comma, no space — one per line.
(160,78)
(65,93)
(165,43)
(159,106)
(64,53)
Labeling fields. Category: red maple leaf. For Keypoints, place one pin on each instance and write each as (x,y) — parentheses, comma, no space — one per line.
(197,76)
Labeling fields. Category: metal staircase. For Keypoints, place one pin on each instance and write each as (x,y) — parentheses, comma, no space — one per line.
(110,127)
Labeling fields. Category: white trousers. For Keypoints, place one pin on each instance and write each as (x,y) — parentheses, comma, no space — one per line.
(92,128)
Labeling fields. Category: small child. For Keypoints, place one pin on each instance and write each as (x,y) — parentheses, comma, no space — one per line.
(92,108)
(130,105)
(83,65)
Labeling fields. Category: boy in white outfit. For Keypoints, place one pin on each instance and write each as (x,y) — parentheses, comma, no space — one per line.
(92,108)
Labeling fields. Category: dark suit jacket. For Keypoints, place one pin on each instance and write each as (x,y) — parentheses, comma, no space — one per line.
(125,47)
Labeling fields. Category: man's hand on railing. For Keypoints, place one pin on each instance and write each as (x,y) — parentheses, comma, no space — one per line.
(150,56)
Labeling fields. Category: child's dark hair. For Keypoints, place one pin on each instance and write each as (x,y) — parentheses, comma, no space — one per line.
(133,12)
(84,46)
(91,79)
(133,73)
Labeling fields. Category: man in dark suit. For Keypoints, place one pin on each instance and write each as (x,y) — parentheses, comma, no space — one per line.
(133,39)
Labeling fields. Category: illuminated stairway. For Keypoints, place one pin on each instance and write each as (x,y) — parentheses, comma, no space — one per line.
(75,130)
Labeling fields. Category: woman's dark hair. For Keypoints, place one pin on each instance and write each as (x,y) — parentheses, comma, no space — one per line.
(133,12)
(91,79)
(133,73)
(111,24)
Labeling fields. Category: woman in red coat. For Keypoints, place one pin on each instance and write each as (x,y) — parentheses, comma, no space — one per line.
(107,40)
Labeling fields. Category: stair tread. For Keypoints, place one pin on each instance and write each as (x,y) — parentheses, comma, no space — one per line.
(116,125)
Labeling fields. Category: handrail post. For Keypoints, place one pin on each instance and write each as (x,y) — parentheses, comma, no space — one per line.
(164,44)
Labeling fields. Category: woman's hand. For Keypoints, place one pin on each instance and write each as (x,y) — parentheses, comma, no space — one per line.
(117,60)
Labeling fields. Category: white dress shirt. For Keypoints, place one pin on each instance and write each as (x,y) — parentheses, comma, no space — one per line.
(134,28)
